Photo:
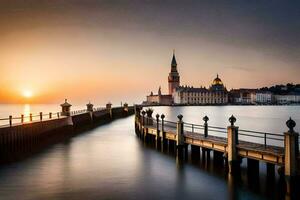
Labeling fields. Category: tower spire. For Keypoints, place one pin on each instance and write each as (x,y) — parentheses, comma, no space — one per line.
(174,63)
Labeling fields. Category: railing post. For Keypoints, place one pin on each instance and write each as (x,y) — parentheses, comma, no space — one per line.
(162,135)
(10,120)
(232,141)
(265,138)
(157,127)
(50,115)
(205,119)
(143,118)
(180,136)
(30,117)
(291,149)
(41,116)
(22,118)
(149,112)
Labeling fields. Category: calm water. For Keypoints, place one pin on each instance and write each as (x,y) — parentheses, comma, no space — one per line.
(110,162)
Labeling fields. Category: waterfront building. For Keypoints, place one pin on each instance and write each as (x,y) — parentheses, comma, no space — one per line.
(216,94)
(290,98)
(173,78)
(264,97)
(159,98)
(242,96)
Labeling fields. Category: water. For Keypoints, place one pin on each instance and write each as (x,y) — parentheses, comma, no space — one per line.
(110,162)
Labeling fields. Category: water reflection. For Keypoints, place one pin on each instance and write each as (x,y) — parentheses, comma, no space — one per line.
(110,162)
(26,112)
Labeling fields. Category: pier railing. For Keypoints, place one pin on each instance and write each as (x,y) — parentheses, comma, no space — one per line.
(259,137)
(35,117)
(229,143)
(9,121)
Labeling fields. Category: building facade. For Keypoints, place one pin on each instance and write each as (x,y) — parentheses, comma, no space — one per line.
(264,97)
(173,78)
(291,98)
(217,94)
(159,99)
(242,96)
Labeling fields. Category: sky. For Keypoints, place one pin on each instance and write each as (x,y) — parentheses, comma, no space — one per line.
(121,50)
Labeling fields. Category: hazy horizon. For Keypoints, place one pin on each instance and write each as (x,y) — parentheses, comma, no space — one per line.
(102,50)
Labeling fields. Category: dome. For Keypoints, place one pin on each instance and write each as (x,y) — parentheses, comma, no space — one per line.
(217,81)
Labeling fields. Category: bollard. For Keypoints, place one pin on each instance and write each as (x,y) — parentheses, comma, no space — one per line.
(10,120)
(149,112)
(143,118)
(205,119)
(30,117)
(180,137)
(157,127)
(162,127)
(41,116)
(22,118)
(232,138)
(50,115)
(291,149)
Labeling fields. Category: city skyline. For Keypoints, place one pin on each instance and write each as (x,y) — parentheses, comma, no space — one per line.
(108,51)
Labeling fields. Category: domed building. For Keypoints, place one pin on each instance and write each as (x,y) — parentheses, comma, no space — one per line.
(217,94)
(217,85)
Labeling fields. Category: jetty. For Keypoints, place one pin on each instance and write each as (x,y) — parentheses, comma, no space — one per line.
(24,135)
(229,145)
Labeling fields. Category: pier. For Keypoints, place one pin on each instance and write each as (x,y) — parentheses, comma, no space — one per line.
(228,145)
(21,136)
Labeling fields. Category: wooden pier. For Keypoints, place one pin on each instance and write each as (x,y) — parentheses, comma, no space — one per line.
(273,149)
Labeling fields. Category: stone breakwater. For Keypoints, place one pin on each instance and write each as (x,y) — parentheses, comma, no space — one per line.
(18,141)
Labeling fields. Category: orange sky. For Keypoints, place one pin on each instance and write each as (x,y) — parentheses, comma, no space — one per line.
(75,51)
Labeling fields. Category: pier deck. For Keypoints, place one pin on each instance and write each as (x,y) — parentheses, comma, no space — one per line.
(270,154)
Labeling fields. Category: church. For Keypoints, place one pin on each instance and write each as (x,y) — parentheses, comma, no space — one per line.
(216,94)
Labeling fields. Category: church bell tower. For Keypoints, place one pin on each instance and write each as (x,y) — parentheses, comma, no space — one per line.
(173,78)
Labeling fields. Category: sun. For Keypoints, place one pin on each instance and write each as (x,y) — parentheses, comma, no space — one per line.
(27,93)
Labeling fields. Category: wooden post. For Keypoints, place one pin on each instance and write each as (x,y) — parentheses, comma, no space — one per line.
(50,115)
(162,132)
(232,138)
(143,118)
(157,127)
(10,120)
(180,136)
(205,119)
(291,151)
(41,116)
(143,124)
(195,152)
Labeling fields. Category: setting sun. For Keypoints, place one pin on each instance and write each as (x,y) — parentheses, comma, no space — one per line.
(27,93)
